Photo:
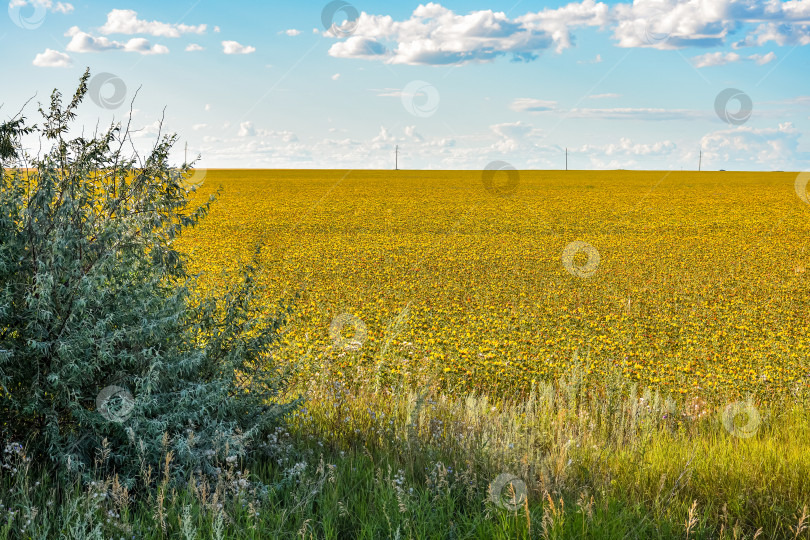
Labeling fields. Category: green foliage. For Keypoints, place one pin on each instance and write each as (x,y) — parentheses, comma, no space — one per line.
(99,335)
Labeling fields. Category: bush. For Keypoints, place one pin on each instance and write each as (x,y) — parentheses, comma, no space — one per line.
(101,344)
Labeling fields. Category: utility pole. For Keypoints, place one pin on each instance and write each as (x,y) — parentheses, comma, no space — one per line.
(566,158)
(700,160)
(396,158)
(185,156)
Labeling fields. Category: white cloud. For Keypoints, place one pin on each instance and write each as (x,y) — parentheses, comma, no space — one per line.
(515,137)
(715,59)
(763,59)
(532,105)
(234,47)
(358,47)
(435,35)
(773,148)
(62,7)
(671,24)
(336,76)
(207,106)
(720,59)
(82,42)
(52,58)
(410,131)
(514,130)
(197,127)
(604,96)
(125,21)
(142,45)
(778,32)
(150,130)
(216,30)
(626,147)
(517,143)
(59,7)
(285,136)
(193,47)
(292,32)
(246,129)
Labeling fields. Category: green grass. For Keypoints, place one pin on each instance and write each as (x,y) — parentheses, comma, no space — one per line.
(420,465)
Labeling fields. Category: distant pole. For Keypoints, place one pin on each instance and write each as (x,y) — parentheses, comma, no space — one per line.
(185,157)
(566,158)
(700,160)
(396,158)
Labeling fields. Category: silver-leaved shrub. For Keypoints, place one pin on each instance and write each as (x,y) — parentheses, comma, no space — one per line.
(99,336)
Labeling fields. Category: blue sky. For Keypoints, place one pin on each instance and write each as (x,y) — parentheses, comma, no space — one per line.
(455,85)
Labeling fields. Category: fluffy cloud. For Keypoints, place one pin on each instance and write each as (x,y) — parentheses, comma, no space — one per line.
(246,129)
(82,42)
(515,130)
(715,59)
(142,45)
(773,148)
(435,35)
(125,21)
(292,32)
(626,147)
(62,7)
(359,47)
(234,47)
(763,59)
(720,59)
(52,58)
(58,7)
(779,33)
(411,132)
(193,47)
(517,143)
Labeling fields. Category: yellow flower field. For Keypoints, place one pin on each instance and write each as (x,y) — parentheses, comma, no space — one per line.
(700,287)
